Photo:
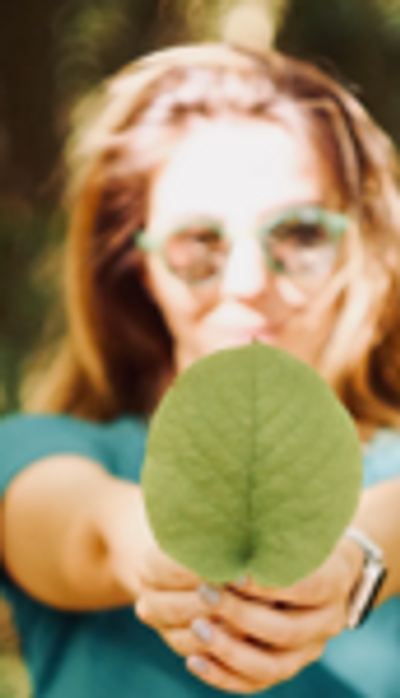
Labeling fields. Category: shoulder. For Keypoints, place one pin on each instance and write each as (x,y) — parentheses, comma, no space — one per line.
(25,439)
(126,440)
(382,457)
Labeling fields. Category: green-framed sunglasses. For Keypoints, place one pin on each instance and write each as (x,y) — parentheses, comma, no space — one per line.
(301,242)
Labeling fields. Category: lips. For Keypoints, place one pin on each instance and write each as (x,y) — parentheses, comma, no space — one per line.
(242,337)
(231,325)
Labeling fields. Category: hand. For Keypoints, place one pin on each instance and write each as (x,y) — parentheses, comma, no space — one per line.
(165,593)
(256,637)
(239,638)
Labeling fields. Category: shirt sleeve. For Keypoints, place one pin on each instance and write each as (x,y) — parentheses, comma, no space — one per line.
(25,439)
(126,441)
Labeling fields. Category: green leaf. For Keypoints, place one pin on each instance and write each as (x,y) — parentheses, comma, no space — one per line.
(253,467)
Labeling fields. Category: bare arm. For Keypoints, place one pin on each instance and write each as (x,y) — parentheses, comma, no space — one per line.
(76,537)
(64,518)
(379,517)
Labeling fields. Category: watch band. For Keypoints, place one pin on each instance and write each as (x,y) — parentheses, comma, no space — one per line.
(374,572)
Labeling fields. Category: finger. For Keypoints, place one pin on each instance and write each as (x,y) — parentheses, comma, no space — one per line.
(169,609)
(212,673)
(330,582)
(289,629)
(154,570)
(183,641)
(256,665)
(161,572)
(308,593)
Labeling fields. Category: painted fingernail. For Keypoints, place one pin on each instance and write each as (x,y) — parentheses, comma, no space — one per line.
(197,664)
(209,594)
(202,629)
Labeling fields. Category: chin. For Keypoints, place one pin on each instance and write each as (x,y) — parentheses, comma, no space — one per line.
(191,355)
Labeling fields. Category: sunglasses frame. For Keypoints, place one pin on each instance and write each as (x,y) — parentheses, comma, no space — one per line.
(335,222)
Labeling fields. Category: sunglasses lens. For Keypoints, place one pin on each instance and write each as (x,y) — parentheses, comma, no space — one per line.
(301,249)
(303,245)
(196,253)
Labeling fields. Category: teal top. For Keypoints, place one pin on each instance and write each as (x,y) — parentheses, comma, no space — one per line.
(111,653)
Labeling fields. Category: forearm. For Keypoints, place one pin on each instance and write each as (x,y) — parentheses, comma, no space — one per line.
(100,559)
(62,520)
(378,516)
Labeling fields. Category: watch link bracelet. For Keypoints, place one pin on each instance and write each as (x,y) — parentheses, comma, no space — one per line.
(373,575)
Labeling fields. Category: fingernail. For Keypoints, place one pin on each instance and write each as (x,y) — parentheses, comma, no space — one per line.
(209,594)
(202,629)
(198,664)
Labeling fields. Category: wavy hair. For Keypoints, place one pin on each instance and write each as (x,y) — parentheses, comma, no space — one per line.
(117,348)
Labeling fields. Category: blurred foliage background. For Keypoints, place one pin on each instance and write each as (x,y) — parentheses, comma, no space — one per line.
(53,51)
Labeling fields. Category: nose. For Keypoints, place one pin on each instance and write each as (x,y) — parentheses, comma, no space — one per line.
(246,274)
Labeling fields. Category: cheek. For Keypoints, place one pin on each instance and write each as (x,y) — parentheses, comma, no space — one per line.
(310,333)
(289,295)
(174,299)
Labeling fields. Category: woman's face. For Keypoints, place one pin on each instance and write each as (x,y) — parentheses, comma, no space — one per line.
(235,176)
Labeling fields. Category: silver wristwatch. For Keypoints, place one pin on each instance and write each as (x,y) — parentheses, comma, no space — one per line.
(374,572)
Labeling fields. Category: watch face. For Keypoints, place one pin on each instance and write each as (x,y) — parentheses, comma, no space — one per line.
(365,594)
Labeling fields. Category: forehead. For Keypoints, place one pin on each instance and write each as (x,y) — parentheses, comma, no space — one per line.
(236,168)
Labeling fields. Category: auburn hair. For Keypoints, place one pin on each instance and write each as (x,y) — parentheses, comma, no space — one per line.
(117,349)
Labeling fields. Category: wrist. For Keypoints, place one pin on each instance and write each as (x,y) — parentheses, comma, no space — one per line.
(354,560)
(378,516)
(118,531)
(364,593)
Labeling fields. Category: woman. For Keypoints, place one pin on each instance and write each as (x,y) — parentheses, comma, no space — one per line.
(216,197)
